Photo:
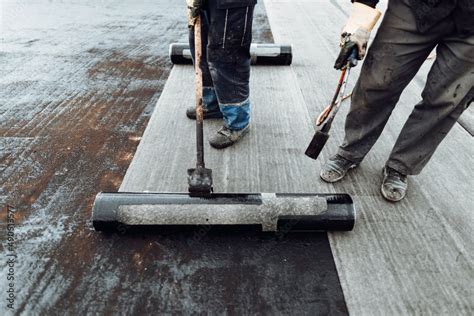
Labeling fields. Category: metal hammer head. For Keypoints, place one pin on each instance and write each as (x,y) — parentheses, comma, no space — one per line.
(317,143)
(200,180)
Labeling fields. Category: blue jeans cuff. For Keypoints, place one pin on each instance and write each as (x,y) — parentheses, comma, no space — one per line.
(236,115)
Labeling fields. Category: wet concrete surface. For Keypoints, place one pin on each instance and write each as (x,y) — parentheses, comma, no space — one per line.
(78,83)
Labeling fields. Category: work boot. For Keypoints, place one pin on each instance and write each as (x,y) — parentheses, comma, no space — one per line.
(225,137)
(215,114)
(394,185)
(336,168)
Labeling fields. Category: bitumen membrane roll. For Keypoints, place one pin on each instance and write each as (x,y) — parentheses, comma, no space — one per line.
(268,212)
(261,54)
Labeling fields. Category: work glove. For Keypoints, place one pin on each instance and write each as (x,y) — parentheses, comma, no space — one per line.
(356,33)
(194,9)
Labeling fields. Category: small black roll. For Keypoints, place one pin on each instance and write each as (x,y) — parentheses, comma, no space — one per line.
(261,54)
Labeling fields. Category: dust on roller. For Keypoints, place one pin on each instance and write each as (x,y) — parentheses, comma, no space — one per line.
(268,212)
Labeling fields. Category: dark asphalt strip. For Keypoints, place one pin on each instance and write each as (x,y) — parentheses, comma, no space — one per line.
(216,272)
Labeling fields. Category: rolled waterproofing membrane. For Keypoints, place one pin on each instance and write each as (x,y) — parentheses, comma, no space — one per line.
(268,212)
(261,54)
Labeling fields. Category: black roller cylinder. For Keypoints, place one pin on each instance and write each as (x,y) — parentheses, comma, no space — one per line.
(267,212)
(261,54)
(180,54)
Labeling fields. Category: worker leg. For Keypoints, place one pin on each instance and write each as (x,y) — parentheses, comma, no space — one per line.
(396,54)
(448,92)
(228,53)
(209,97)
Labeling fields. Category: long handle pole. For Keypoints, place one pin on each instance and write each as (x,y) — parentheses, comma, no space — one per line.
(337,104)
(198,92)
(325,113)
(351,62)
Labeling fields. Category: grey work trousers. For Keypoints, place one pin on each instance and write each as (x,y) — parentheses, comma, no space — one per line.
(395,56)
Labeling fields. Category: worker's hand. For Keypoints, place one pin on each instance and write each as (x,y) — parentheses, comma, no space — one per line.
(194,9)
(356,33)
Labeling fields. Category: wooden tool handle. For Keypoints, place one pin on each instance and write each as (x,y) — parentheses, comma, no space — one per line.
(198,93)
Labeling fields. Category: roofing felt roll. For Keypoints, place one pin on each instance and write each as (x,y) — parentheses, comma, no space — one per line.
(261,54)
(265,211)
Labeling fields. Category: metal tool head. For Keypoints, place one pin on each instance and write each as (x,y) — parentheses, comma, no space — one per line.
(317,144)
(200,180)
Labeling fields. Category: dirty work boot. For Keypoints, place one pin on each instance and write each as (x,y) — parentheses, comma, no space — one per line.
(336,168)
(394,185)
(225,137)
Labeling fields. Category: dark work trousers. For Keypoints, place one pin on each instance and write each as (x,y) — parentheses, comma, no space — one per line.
(226,39)
(395,56)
